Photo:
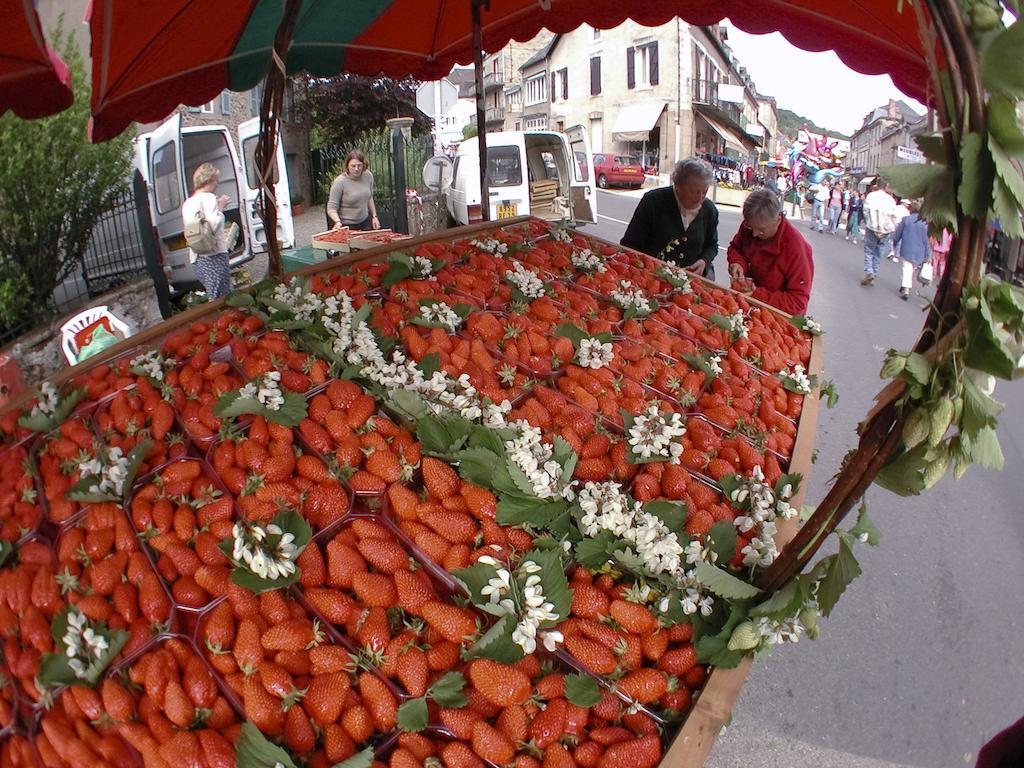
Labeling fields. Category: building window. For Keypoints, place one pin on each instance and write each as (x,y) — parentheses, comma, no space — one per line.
(560,85)
(564,77)
(207,108)
(537,123)
(642,65)
(225,102)
(595,75)
(597,33)
(536,90)
(255,98)
(515,99)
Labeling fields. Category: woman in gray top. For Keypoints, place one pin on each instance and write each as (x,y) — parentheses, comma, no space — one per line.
(351,200)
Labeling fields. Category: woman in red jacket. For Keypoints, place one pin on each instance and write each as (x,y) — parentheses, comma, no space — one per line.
(768,258)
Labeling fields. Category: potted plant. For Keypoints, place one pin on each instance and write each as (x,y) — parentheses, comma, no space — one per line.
(298,201)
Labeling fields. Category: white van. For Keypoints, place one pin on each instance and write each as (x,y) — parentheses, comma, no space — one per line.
(545,174)
(169,155)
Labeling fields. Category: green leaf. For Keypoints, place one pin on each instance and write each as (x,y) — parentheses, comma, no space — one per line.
(1009,172)
(43,423)
(1006,209)
(412,715)
(975,192)
(700,363)
(442,436)
(290,521)
(594,552)
(983,448)
(240,299)
(289,414)
(980,409)
(903,475)
(447,690)
(864,526)
(829,393)
(497,644)
(6,550)
(243,577)
(932,147)
(793,480)
(919,368)
(254,750)
(911,180)
(408,406)
(784,603)
(430,364)
(553,581)
(521,510)
(477,465)
(582,690)
(519,478)
(672,513)
(724,584)
(841,569)
(721,540)
(473,579)
(1003,124)
(1001,69)
(629,560)
(55,671)
(85,491)
(361,759)
(563,453)
(714,648)
(572,332)
(54,667)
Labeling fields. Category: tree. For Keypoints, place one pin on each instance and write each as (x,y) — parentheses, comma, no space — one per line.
(469,130)
(343,107)
(54,184)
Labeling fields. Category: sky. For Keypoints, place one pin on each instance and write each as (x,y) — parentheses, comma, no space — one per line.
(816,85)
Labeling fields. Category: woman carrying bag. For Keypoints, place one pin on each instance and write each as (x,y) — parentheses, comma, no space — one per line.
(203,215)
(350,203)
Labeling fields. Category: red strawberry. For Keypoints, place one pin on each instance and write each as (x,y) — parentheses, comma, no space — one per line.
(644,752)
(500,684)
(453,623)
(325,697)
(491,744)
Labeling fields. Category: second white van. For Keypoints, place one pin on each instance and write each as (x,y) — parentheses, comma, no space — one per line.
(546,174)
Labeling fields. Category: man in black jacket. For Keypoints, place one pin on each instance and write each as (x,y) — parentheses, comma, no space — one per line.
(678,223)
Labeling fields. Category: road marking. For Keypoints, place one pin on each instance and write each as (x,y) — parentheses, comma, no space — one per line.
(894,317)
(617,221)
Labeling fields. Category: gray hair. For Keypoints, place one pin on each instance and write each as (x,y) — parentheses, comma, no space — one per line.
(761,205)
(204,174)
(692,166)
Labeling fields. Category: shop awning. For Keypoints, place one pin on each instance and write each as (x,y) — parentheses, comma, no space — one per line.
(635,121)
(731,137)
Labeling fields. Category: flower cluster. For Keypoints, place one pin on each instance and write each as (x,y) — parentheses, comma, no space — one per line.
(536,608)
(266,390)
(758,500)
(461,397)
(151,365)
(562,234)
(657,434)
(535,458)
(304,304)
(628,297)
(797,380)
(82,644)
(715,364)
(526,280)
(440,314)
(593,353)
(806,323)
(694,599)
(606,508)
(676,275)
(421,267)
(49,399)
(491,246)
(585,260)
(254,549)
(111,467)
(737,325)
(776,632)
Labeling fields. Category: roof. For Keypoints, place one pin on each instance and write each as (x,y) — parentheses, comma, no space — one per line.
(464,80)
(540,55)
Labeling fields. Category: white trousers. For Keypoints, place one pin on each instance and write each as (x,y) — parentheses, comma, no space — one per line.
(908,274)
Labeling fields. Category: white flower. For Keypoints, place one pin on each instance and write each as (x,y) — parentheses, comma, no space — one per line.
(677,275)
(534,457)
(737,325)
(586,260)
(797,379)
(551,639)
(526,280)
(491,246)
(628,297)
(594,353)
(442,315)
(421,266)
(48,401)
(653,432)
(715,364)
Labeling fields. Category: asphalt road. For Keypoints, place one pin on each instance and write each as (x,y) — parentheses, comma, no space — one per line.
(923,659)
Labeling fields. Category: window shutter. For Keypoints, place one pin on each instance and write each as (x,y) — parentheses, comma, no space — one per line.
(654,63)
(554,92)
(565,84)
(595,76)
(630,68)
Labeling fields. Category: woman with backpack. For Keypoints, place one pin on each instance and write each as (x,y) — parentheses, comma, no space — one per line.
(203,214)
(853,210)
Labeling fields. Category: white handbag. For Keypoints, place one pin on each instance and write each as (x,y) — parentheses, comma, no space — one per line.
(926,273)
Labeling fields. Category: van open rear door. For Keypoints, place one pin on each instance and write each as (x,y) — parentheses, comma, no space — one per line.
(167,182)
(583,190)
(248,136)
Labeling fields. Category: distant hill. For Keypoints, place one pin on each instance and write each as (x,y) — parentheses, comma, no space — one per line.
(790,123)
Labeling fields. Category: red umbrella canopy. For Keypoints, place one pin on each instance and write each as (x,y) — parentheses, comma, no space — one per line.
(34,82)
(150,57)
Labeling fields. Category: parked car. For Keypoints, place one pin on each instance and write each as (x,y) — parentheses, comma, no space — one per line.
(167,157)
(537,173)
(618,170)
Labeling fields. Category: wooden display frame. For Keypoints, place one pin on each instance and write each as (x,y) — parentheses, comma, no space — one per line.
(713,705)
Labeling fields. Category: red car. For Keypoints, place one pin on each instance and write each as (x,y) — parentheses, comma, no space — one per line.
(622,170)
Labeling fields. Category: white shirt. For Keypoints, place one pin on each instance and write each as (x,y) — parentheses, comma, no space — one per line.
(688,215)
(880,212)
(213,214)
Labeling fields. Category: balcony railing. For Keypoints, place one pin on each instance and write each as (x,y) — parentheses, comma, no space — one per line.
(493,80)
(706,92)
(494,114)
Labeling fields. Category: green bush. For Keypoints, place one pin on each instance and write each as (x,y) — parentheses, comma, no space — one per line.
(15,295)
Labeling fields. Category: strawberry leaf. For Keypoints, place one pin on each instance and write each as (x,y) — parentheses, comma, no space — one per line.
(430,364)
(552,581)
(515,509)
(724,584)
(6,550)
(254,750)
(671,513)
(714,649)
(497,644)
(594,552)
(722,540)
(363,759)
(447,691)
(784,603)
(582,690)
(572,333)
(476,465)
(412,715)
(840,569)
(473,579)
(865,528)
(44,423)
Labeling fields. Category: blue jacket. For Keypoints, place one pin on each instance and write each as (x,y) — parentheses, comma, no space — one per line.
(911,240)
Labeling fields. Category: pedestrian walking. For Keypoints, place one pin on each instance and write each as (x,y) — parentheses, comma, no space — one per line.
(854,209)
(901,212)
(879,225)
(940,251)
(821,195)
(911,241)
(209,251)
(835,207)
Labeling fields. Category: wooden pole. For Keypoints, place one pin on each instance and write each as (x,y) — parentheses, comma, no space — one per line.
(481,118)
